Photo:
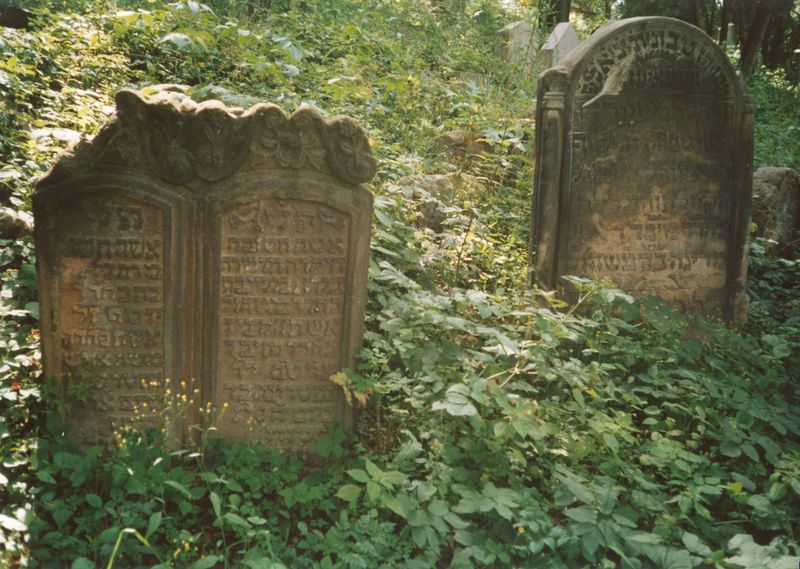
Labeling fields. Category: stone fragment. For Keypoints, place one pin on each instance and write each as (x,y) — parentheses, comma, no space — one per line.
(14,224)
(459,145)
(517,44)
(562,41)
(199,241)
(436,192)
(776,203)
(644,154)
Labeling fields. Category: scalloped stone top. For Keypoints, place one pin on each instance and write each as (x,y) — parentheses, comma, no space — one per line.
(181,141)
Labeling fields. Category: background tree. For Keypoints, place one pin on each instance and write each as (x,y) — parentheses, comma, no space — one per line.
(553,12)
(769,30)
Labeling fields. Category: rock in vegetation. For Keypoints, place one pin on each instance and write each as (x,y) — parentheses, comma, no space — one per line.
(14,224)
(459,145)
(436,192)
(776,203)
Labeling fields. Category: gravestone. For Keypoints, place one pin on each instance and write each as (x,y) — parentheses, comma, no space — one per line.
(558,45)
(776,203)
(517,44)
(644,147)
(198,241)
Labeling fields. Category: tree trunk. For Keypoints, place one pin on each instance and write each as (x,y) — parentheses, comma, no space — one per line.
(710,18)
(693,12)
(563,15)
(553,12)
(751,43)
(725,19)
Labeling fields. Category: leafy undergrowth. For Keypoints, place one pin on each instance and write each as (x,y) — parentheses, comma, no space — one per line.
(502,427)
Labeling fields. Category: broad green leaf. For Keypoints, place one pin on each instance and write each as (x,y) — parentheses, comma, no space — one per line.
(694,544)
(216,503)
(349,493)
(373,490)
(643,537)
(82,563)
(582,514)
(236,521)
(611,442)
(45,476)
(373,470)
(394,477)
(731,449)
(590,541)
(393,504)
(94,500)
(179,487)
(751,452)
(152,524)
(358,475)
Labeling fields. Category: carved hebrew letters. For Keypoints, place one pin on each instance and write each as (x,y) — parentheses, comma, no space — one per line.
(196,241)
(656,190)
(110,302)
(283,275)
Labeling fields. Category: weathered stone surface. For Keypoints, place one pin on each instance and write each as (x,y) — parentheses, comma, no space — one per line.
(558,45)
(199,241)
(458,145)
(644,146)
(517,44)
(436,193)
(776,203)
(14,224)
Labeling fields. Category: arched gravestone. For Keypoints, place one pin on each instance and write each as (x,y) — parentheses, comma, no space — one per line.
(198,241)
(643,173)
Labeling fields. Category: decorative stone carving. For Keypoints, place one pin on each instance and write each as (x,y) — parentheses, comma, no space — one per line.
(644,146)
(198,241)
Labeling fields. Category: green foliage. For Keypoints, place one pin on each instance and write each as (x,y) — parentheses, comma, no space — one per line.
(502,427)
(777,129)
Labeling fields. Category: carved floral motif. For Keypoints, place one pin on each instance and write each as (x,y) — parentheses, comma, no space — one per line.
(179,140)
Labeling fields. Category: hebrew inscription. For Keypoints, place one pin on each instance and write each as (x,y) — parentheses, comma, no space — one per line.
(198,242)
(657,149)
(283,281)
(111,306)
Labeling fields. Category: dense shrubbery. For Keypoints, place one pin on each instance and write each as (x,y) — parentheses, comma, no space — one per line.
(503,427)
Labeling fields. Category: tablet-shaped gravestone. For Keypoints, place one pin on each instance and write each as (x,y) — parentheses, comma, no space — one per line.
(643,175)
(198,241)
